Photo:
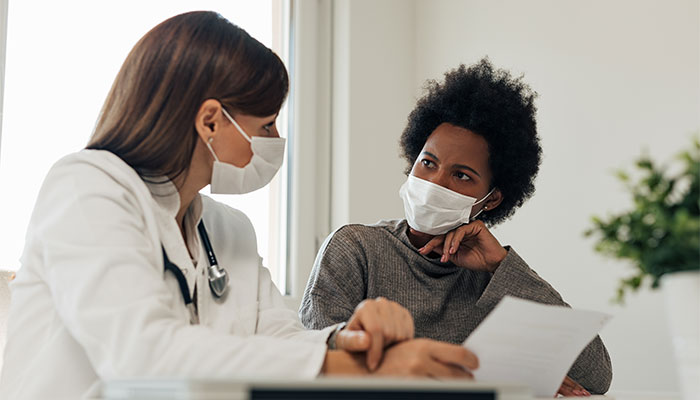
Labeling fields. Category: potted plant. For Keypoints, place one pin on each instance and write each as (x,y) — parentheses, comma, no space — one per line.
(660,234)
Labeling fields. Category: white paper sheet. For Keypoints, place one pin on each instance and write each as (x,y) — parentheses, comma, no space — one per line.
(525,342)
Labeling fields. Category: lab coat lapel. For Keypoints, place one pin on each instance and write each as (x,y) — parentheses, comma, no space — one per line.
(166,205)
(234,243)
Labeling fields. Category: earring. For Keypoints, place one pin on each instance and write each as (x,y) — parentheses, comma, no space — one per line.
(211,139)
(486,208)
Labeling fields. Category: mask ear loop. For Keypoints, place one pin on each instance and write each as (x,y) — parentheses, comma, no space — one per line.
(484,208)
(208,143)
(233,121)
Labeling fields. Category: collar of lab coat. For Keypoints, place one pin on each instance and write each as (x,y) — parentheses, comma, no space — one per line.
(167,197)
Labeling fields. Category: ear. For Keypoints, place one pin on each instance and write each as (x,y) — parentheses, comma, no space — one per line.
(209,119)
(494,200)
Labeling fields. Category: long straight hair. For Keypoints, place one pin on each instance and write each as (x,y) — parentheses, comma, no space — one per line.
(149,114)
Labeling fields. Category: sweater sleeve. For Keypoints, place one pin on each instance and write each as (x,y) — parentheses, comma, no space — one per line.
(337,282)
(592,369)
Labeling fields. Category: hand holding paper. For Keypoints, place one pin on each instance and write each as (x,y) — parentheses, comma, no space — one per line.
(530,343)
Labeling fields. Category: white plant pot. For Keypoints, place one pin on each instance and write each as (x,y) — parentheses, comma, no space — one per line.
(682,293)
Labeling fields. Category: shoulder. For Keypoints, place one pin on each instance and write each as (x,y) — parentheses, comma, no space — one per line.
(354,238)
(363,233)
(94,171)
(97,162)
(91,198)
(91,177)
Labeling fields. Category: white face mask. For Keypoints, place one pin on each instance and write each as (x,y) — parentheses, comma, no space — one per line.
(268,154)
(434,209)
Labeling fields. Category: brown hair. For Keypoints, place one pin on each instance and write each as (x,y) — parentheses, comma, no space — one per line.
(148,117)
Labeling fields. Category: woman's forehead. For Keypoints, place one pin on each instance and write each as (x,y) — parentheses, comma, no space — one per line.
(457,145)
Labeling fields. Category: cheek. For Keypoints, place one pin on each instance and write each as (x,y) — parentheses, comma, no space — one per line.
(417,169)
(426,173)
(236,151)
(242,154)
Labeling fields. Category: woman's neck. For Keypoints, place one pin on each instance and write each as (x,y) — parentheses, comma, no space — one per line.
(194,179)
(186,198)
(418,239)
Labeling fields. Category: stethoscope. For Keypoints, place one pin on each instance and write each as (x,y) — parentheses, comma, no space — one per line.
(218,277)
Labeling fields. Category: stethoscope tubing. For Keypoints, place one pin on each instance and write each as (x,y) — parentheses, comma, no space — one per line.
(182,281)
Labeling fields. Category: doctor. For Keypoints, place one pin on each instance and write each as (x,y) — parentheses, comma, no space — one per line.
(128,271)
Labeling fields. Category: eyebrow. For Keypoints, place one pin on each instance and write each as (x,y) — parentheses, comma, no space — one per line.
(273,119)
(461,166)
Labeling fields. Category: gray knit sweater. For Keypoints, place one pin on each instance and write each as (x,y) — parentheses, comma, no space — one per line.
(447,302)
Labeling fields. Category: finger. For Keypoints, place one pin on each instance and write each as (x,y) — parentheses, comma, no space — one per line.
(566,391)
(454,354)
(350,340)
(362,320)
(359,316)
(370,321)
(374,354)
(437,369)
(446,247)
(576,387)
(568,382)
(389,321)
(432,244)
(569,387)
(404,322)
(471,230)
(457,240)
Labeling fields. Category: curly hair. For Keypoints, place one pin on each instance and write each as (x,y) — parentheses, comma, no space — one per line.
(493,104)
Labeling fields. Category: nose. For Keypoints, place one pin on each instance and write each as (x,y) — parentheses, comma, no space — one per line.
(440,177)
(275,132)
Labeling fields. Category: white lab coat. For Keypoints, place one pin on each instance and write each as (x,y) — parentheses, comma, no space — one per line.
(92,302)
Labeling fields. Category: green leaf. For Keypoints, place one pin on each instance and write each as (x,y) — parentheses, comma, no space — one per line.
(660,233)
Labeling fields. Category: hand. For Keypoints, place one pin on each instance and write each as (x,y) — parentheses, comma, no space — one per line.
(571,388)
(376,323)
(428,358)
(469,246)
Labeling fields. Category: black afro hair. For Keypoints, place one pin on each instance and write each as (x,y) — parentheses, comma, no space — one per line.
(493,104)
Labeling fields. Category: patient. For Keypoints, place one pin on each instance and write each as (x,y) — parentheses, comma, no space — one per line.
(473,153)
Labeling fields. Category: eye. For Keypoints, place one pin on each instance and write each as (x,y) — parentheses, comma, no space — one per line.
(462,176)
(268,127)
(427,163)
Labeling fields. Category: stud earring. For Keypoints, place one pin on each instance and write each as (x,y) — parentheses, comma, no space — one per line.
(211,139)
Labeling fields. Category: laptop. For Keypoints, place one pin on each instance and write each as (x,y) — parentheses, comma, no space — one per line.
(321,388)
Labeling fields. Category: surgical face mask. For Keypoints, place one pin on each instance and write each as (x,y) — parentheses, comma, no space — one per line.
(434,209)
(268,154)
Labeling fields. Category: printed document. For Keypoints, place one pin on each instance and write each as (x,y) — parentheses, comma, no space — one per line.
(530,343)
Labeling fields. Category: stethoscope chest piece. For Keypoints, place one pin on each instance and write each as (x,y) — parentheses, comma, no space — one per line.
(218,280)
(218,277)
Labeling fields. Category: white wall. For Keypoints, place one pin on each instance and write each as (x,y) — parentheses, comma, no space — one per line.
(373,74)
(614,77)
(3,42)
